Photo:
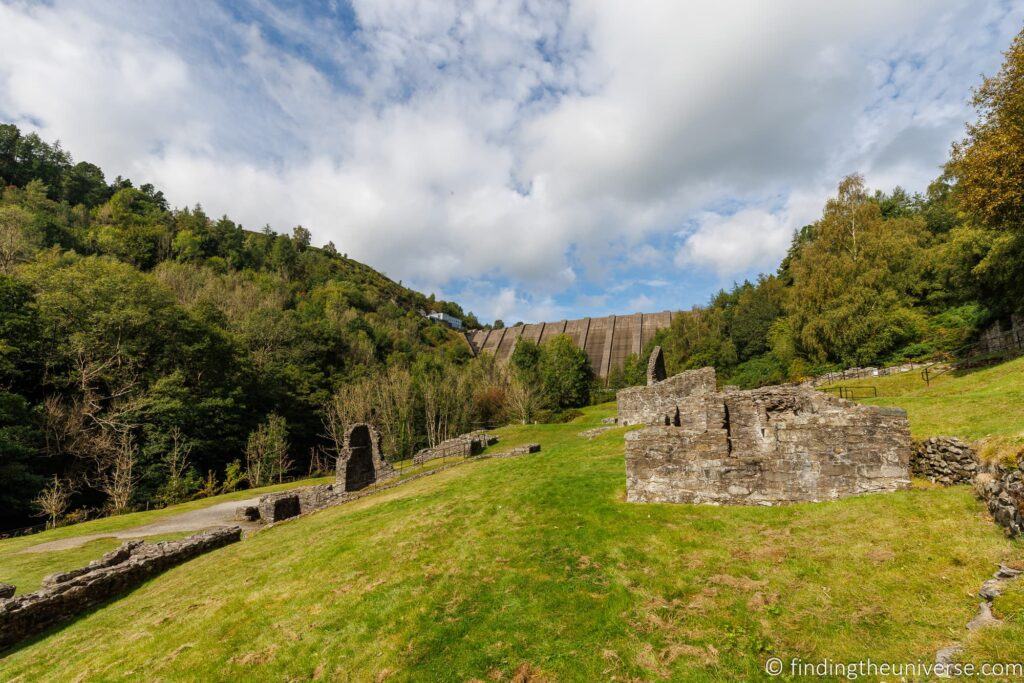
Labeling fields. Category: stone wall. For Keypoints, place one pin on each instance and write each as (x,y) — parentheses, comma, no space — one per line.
(656,367)
(464,445)
(274,507)
(1001,488)
(766,446)
(360,462)
(944,460)
(68,594)
(659,403)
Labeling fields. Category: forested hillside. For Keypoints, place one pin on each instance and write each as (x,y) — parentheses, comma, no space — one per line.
(881,277)
(141,347)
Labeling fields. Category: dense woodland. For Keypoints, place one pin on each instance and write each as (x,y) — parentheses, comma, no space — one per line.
(149,355)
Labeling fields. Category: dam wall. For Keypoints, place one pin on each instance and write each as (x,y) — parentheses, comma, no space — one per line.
(606,341)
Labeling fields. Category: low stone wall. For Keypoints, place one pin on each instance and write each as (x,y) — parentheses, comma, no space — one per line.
(274,507)
(464,445)
(658,403)
(944,460)
(766,446)
(1001,488)
(68,594)
(525,449)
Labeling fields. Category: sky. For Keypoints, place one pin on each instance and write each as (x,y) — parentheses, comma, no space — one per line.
(531,160)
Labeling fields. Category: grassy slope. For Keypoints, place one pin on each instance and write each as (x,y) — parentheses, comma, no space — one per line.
(538,562)
(26,570)
(972,404)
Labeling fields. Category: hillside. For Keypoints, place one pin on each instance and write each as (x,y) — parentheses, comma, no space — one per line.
(970,404)
(143,346)
(536,565)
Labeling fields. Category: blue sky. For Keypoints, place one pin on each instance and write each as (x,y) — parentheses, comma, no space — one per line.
(531,160)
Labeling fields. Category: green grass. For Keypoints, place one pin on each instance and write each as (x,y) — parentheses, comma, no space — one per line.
(536,564)
(970,404)
(26,570)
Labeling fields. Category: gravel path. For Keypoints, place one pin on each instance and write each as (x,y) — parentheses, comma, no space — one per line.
(221,514)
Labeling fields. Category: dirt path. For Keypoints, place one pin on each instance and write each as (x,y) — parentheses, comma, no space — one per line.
(221,514)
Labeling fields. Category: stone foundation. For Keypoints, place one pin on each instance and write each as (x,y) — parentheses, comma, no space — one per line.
(766,446)
(944,460)
(68,594)
(525,449)
(658,404)
(465,445)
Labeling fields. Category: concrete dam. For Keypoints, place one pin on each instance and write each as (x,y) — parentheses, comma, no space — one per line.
(606,341)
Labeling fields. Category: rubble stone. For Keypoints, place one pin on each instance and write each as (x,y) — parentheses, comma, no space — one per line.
(944,460)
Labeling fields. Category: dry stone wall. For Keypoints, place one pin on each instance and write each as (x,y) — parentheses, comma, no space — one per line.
(1001,488)
(68,594)
(464,445)
(766,446)
(659,404)
(944,460)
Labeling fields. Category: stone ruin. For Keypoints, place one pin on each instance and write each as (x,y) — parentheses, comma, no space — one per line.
(659,403)
(360,463)
(764,446)
(464,445)
(656,367)
(65,595)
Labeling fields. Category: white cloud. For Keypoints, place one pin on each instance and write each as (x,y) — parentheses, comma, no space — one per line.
(541,145)
(639,304)
(751,238)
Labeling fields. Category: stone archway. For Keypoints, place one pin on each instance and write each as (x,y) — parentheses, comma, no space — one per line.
(360,463)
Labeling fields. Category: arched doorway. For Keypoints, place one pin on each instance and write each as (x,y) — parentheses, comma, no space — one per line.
(359,470)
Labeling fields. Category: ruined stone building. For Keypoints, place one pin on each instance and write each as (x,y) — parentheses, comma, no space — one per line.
(360,463)
(764,446)
(606,341)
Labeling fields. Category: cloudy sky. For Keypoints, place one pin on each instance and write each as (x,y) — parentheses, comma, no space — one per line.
(532,160)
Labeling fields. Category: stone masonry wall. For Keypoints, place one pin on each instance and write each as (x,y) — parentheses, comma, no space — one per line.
(463,445)
(767,446)
(944,460)
(68,594)
(659,403)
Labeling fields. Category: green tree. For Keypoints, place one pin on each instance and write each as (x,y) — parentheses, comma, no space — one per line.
(988,165)
(855,281)
(565,373)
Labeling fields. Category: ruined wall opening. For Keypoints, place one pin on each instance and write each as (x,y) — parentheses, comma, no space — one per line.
(359,472)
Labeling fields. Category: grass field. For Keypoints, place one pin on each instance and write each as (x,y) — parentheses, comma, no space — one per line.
(970,404)
(26,570)
(537,566)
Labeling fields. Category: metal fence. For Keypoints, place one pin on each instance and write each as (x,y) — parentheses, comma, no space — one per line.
(854,392)
(993,347)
